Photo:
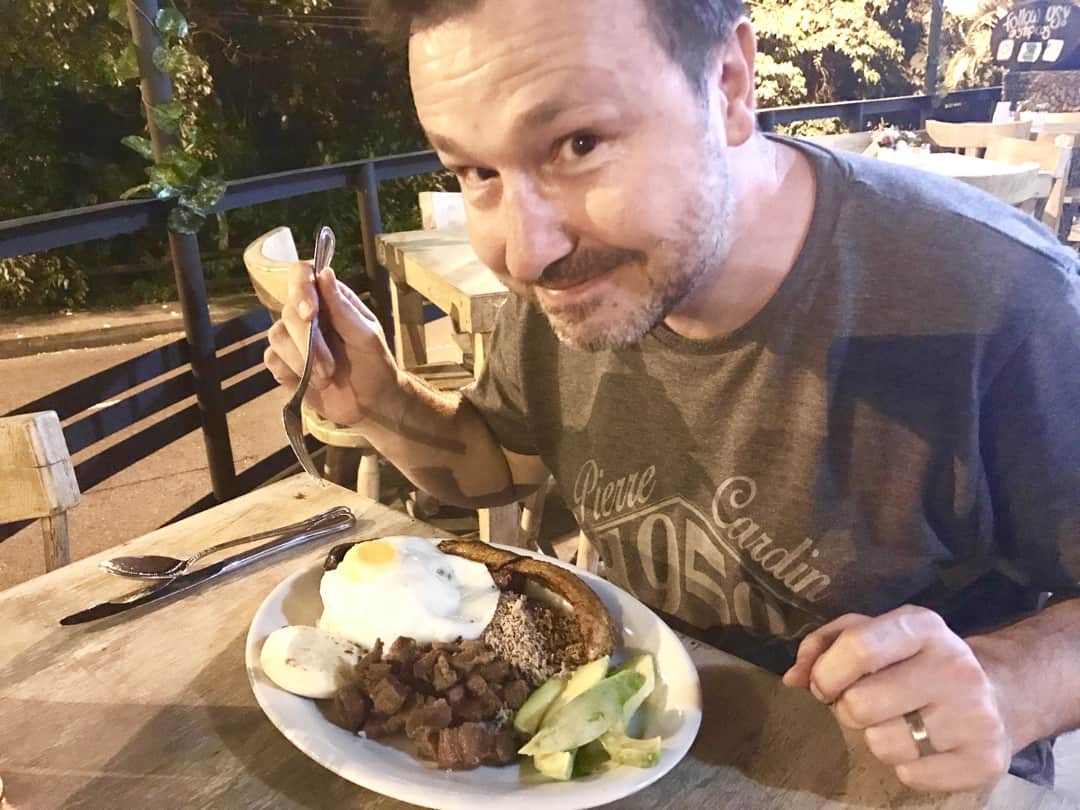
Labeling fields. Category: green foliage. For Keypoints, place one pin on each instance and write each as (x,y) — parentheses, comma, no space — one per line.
(816,51)
(968,40)
(48,280)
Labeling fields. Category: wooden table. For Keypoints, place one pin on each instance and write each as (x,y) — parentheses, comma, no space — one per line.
(440,266)
(153,708)
(1009,183)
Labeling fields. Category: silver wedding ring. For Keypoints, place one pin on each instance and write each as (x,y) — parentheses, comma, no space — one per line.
(918,734)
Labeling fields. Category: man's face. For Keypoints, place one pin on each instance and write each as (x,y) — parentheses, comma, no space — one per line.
(593,183)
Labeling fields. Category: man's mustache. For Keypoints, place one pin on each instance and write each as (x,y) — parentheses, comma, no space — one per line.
(584,264)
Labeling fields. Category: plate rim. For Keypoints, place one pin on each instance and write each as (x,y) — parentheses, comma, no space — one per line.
(422,795)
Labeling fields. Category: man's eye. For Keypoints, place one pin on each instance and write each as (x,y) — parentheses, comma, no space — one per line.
(474,174)
(578,146)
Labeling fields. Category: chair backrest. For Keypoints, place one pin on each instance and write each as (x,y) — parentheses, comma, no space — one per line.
(1053,158)
(973,137)
(441,209)
(268,260)
(1061,118)
(37,479)
(845,142)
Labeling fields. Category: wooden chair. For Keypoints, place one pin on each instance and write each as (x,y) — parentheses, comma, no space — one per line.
(268,261)
(845,142)
(1057,123)
(1054,159)
(38,480)
(972,138)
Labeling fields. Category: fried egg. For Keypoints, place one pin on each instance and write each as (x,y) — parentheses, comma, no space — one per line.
(405,586)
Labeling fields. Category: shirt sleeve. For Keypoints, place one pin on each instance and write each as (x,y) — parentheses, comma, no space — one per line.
(1031,447)
(498,395)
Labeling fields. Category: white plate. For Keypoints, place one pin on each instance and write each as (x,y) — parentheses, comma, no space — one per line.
(673,712)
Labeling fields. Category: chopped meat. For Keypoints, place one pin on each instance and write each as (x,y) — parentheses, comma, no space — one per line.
(444,675)
(434,715)
(374,655)
(472,655)
(448,698)
(424,667)
(389,695)
(427,742)
(506,747)
(477,685)
(377,727)
(456,694)
(370,675)
(351,708)
(478,707)
(403,651)
(515,693)
(472,744)
(494,671)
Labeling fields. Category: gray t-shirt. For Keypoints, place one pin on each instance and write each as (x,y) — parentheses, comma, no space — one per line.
(897,425)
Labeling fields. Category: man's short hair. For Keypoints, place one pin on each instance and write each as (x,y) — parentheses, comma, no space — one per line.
(688,30)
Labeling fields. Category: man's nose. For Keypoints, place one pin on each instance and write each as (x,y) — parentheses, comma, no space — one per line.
(534,231)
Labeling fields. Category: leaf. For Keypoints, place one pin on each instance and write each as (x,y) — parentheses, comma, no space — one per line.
(164,181)
(184,220)
(171,23)
(143,190)
(167,116)
(118,11)
(127,64)
(171,60)
(186,167)
(208,193)
(139,144)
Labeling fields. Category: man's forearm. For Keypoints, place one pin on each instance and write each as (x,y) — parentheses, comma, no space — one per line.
(439,441)
(1034,665)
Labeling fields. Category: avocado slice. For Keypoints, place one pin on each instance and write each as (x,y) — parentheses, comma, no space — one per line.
(527,718)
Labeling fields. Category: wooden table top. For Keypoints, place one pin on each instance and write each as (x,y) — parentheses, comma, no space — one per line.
(441,266)
(153,708)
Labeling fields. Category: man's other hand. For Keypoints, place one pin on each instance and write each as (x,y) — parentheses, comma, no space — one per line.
(874,671)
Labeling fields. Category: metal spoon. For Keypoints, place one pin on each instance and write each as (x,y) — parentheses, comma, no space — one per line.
(155,566)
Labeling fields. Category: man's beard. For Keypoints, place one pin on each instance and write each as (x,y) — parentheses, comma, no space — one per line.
(674,271)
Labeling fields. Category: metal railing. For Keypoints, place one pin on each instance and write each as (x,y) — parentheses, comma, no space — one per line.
(65,228)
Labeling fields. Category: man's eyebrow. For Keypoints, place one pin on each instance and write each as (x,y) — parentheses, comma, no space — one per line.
(535,118)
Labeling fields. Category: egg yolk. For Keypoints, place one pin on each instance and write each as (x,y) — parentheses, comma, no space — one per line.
(360,559)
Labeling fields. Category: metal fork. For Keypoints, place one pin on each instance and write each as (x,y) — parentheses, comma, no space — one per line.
(291,414)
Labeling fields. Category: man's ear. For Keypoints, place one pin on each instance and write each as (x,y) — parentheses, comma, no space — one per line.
(734,74)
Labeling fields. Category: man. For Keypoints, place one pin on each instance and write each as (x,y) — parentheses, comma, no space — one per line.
(797,399)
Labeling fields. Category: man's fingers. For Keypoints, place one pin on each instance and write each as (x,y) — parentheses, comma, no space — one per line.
(871,646)
(353,321)
(891,692)
(279,369)
(811,648)
(298,329)
(301,296)
(954,771)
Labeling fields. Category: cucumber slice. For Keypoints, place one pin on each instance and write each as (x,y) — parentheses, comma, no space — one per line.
(586,717)
(559,766)
(532,711)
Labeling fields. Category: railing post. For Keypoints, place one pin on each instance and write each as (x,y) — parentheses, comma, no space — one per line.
(371,226)
(933,46)
(187,267)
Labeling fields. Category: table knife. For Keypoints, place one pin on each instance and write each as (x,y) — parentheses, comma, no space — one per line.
(186,582)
